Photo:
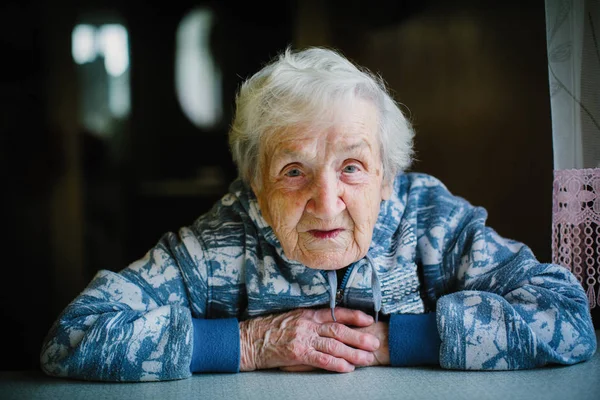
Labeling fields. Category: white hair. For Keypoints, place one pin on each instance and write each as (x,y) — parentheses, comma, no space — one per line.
(306,88)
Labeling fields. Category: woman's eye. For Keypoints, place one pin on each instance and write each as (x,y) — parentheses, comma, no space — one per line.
(293,173)
(350,169)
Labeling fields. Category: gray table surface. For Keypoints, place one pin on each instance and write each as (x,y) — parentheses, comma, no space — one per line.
(580,381)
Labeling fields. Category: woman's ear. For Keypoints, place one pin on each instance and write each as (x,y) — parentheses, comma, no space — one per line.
(254,187)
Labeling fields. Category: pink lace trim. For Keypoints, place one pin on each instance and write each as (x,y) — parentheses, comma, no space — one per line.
(576,226)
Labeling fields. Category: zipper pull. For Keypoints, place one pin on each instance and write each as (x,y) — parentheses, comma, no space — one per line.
(339,296)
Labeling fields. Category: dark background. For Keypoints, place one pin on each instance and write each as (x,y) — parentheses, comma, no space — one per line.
(472,75)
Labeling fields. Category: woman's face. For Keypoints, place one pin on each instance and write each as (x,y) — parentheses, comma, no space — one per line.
(321,190)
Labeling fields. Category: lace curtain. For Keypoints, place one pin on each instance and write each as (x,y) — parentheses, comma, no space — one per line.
(573,32)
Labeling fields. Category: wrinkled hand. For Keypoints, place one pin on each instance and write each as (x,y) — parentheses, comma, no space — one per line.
(381,355)
(304,339)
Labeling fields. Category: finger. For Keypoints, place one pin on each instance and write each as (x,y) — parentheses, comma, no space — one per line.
(346,316)
(349,336)
(298,368)
(340,350)
(328,362)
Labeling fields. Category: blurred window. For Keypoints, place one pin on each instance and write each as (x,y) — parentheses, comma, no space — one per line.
(197,76)
(102,54)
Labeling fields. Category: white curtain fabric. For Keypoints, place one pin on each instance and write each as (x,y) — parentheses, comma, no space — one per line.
(573,33)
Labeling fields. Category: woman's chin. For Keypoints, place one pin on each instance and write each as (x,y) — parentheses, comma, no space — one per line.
(328,261)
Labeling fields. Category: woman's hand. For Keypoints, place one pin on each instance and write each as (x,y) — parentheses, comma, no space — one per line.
(380,331)
(303,339)
(382,354)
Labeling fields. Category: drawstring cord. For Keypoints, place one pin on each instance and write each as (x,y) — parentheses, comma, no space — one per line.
(332,278)
(375,287)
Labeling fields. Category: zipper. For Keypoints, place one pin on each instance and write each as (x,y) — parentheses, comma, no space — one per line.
(339,294)
(346,277)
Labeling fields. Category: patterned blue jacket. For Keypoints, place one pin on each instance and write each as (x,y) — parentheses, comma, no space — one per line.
(455,293)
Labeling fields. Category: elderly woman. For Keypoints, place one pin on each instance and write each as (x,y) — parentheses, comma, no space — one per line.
(324,254)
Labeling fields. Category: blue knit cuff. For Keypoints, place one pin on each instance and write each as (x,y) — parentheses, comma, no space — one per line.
(216,345)
(414,340)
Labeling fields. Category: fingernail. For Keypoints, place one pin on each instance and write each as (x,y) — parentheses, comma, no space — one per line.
(376,343)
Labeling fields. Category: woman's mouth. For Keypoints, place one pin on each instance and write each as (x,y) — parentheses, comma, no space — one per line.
(325,234)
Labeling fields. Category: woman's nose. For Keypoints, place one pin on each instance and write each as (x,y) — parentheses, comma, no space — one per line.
(326,200)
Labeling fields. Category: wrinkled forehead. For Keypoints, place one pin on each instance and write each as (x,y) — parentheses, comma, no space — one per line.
(358,118)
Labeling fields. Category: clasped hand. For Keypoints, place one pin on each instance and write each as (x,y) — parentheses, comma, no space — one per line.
(305,339)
